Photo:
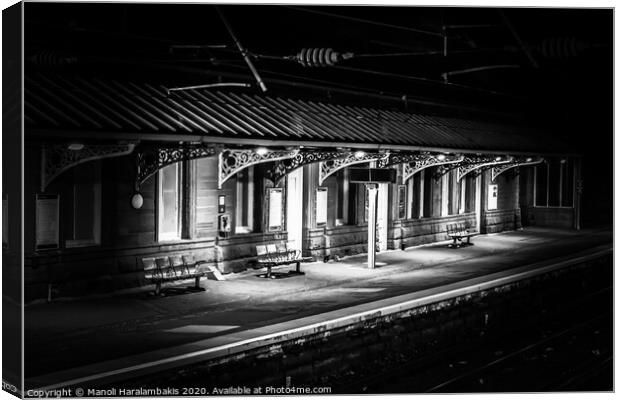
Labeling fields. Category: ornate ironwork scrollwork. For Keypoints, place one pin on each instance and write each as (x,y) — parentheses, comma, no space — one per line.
(400,158)
(231,161)
(58,158)
(151,159)
(327,168)
(517,162)
(428,160)
(473,163)
(304,157)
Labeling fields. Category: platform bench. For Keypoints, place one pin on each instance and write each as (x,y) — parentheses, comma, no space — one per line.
(173,268)
(459,231)
(271,255)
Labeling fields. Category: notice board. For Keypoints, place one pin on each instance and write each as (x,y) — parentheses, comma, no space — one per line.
(47,221)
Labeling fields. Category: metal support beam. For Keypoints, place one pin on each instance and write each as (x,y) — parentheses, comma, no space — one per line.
(496,170)
(327,168)
(473,163)
(428,160)
(304,157)
(57,158)
(231,161)
(150,159)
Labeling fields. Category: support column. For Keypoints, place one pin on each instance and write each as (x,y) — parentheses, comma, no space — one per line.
(373,191)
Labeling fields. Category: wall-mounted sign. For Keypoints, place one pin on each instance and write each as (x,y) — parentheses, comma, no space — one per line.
(275,209)
(402,202)
(224,223)
(321,206)
(47,221)
(492,198)
(367,175)
(221,204)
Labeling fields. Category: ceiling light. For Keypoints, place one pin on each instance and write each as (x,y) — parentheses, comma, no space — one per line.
(529,159)
(261,151)
(440,157)
(359,154)
(76,146)
(498,158)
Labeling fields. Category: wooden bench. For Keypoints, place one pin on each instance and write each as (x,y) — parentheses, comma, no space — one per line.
(173,268)
(271,255)
(459,231)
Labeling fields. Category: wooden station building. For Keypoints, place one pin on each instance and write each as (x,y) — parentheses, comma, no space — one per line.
(117,171)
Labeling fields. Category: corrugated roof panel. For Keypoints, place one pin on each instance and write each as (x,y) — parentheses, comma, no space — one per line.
(261,117)
(62,102)
(283,122)
(159,106)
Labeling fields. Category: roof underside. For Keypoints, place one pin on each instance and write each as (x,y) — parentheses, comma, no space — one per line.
(80,104)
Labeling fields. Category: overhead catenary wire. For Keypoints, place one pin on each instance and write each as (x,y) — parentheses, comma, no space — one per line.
(244,53)
(367,21)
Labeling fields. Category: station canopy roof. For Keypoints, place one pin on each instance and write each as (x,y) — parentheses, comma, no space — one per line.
(91,108)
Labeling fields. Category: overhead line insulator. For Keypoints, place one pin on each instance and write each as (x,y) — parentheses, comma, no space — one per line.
(320,57)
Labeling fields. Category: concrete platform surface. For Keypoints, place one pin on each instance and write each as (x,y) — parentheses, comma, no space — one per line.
(125,328)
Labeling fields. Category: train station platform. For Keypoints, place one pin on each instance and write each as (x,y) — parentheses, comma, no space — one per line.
(77,341)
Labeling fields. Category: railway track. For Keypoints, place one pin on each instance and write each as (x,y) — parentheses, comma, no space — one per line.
(475,365)
(513,363)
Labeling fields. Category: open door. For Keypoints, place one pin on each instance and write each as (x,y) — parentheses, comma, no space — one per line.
(294,209)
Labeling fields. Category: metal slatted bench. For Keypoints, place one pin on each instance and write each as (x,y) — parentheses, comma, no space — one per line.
(173,268)
(271,255)
(459,231)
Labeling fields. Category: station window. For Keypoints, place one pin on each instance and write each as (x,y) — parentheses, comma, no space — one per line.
(427,192)
(540,178)
(554,183)
(415,195)
(245,201)
(567,170)
(169,200)
(84,224)
(342,208)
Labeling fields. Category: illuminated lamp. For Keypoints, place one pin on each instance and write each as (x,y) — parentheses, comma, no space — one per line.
(529,159)
(498,158)
(440,157)
(137,201)
(75,146)
(563,161)
(359,154)
(261,151)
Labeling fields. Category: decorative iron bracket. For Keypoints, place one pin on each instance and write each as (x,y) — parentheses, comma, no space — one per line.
(472,163)
(304,157)
(57,158)
(425,161)
(400,158)
(150,159)
(517,162)
(231,161)
(327,168)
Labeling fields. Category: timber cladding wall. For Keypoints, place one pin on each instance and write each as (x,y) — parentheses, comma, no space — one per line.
(338,241)
(427,230)
(86,270)
(238,253)
(501,220)
(557,217)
